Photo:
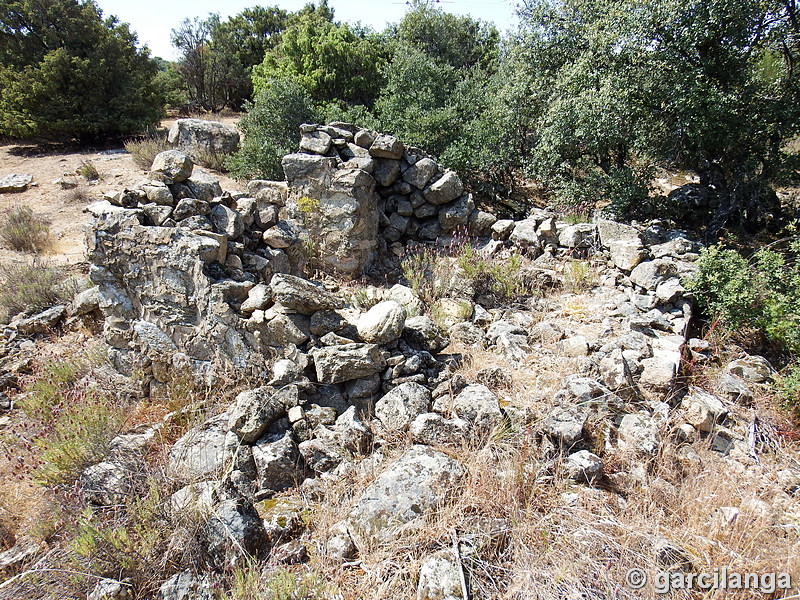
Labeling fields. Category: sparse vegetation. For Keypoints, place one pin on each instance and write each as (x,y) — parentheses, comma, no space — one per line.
(88,171)
(30,286)
(74,421)
(144,150)
(21,229)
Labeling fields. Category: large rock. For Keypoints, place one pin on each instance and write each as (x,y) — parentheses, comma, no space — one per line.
(386,146)
(201,453)
(15,183)
(420,172)
(202,140)
(445,190)
(277,460)
(383,323)
(254,411)
(338,209)
(398,500)
(478,405)
(397,409)
(649,274)
(173,166)
(235,533)
(425,334)
(300,295)
(456,214)
(524,235)
(336,364)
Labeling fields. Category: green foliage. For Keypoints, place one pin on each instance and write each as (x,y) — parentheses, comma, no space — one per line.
(788,384)
(706,86)
(249,583)
(21,229)
(270,129)
(67,72)
(31,286)
(144,150)
(170,85)
(761,294)
(75,424)
(443,92)
(333,62)
(217,57)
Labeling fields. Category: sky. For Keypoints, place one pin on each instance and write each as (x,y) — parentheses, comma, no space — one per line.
(153,20)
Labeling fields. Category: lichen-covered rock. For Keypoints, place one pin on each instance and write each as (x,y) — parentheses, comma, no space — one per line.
(172,166)
(433,429)
(417,482)
(202,139)
(397,409)
(440,577)
(277,460)
(337,364)
(425,334)
(254,411)
(202,451)
(300,295)
(583,466)
(383,323)
(445,190)
(478,405)
(235,533)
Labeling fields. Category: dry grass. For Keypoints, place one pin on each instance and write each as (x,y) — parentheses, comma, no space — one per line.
(144,150)
(23,230)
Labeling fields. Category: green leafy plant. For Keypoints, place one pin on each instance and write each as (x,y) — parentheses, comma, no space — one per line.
(21,229)
(761,294)
(788,384)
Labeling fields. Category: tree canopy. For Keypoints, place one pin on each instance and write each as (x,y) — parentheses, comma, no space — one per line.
(65,71)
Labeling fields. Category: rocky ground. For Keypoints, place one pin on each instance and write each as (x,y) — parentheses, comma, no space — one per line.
(474,431)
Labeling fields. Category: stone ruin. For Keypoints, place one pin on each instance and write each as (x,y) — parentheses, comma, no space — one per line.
(187,273)
(193,281)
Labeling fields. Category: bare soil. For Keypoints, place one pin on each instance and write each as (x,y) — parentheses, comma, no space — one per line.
(65,209)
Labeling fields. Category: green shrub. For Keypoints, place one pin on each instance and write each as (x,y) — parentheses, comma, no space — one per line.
(271,129)
(761,294)
(23,230)
(788,383)
(143,150)
(35,286)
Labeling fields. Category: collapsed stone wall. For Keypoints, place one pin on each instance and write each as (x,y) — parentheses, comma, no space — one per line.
(184,268)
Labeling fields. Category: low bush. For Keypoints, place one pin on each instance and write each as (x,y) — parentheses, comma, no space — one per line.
(758,295)
(143,150)
(21,229)
(34,286)
(271,129)
(462,271)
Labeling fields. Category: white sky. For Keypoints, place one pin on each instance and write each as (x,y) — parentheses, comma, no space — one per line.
(153,20)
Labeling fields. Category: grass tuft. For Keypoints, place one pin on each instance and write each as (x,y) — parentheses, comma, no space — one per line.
(22,230)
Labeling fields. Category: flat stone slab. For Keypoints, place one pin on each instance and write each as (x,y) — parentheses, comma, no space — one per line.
(15,183)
